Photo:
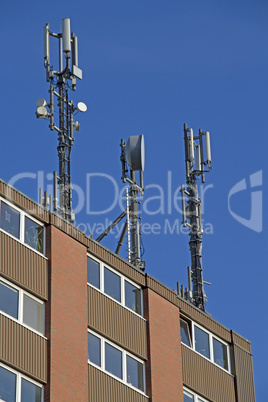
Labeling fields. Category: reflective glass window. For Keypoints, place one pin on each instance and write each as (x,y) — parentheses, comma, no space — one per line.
(113,360)
(132,297)
(93,272)
(187,397)
(33,235)
(220,354)
(112,284)
(202,342)
(94,349)
(135,373)
(10,220)
(185,333)
(33,313)
(7,385)
(9,298)
(30,392)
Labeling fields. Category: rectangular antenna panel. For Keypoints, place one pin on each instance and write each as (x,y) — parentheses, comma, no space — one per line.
(66,34)
(208,146)
(192,145)
(74,51)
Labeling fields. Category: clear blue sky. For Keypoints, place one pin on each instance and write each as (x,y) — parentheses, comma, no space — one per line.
(148,67)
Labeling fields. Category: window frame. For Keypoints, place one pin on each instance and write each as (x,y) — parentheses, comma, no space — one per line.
(192,325)
(123,279)
(197,398)
(19,377)
(124,355)
(21,294)
(22,216)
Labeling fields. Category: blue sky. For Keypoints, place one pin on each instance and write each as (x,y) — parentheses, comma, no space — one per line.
(148,67)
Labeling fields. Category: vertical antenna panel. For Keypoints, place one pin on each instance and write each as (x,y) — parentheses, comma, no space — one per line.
(66,34)
(60,55)
(74,51)
(198,159)
(46,42)
(192,145)
(208,147)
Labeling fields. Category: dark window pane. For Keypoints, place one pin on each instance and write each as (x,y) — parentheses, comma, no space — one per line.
(93,272)
(94,349)
(30,392)
(187,397)
(185,333)
(132,297)
(33,313)
(113,360)
(7,385)
(10,220)
(202,342)
(220,354)
(112,284)
(9,298)
(34,235)
(135,373)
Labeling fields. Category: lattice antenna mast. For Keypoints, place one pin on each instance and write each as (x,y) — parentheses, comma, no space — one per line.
(133,155)
(60,83)
(198,161)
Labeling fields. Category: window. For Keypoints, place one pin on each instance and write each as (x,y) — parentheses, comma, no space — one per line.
(220,353)
(22,306)
(116,361)
(201,342)
(10,220)
(16,223)
(93,272)
(132,297)
(205,343)
(189,396)
(33,235)
(185,333)
(114,285)
(15,387)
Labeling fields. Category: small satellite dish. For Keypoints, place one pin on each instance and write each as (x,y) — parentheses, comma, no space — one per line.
(41,102)
(81,106)
(41,112)
(135,152)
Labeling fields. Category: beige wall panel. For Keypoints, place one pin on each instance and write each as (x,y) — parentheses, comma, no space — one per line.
(23,265)
(104,388)
(242,342)
(23,349)
(117,323)
(205,378)
(244,375)
(23,202)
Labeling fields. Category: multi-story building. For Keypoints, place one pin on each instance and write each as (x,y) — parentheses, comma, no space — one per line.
(79,323)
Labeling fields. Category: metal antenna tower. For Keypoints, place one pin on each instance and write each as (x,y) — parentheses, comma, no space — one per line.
(60,83)
(133,155)
(197,163)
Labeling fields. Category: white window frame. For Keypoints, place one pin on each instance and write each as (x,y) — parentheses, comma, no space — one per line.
(124,362)
(122,285)
(197,398)
(19,377)
(22,292)
(21,239)
(211,350)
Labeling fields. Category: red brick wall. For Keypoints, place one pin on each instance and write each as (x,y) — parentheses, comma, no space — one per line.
(164,367)
(66,319)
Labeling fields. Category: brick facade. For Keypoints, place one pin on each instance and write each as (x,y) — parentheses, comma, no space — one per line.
(164,366)
(66,319)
